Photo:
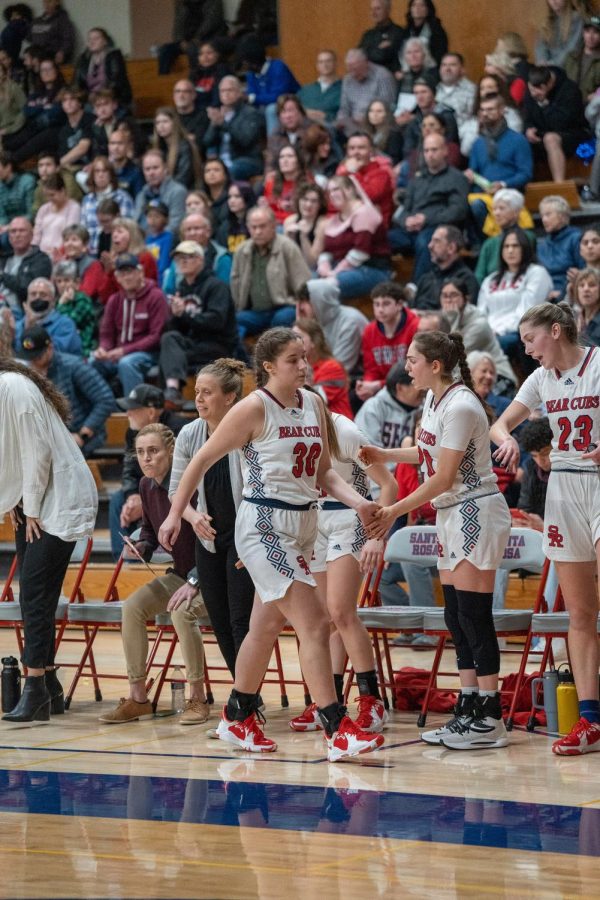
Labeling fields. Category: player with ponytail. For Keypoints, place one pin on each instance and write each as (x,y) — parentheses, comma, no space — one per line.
(473,525)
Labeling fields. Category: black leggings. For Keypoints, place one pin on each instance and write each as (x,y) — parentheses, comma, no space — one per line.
(42,567)
(228,595)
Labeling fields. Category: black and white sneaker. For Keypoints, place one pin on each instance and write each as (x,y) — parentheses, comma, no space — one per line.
(483,730)
(465,706)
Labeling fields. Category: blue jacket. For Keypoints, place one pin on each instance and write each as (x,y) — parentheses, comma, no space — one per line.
(513,163)
(89,396)
(267,85)
(559,251)
(61,329)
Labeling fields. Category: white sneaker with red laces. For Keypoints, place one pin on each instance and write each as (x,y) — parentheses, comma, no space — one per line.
(247,734)
(308,720)
(584,737)
(349,740)
(372,714)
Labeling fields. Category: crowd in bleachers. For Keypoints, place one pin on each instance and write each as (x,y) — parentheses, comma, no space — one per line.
(134,250)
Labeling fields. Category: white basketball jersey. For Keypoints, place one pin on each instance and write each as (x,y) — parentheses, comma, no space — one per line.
(350,439)
(282,462)
(457,422)
(573,408)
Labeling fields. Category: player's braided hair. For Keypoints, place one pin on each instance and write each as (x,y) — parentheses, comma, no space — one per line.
(449,350)
(164,433)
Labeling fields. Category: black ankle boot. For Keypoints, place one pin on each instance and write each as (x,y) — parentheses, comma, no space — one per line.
(34,704)
(57,695)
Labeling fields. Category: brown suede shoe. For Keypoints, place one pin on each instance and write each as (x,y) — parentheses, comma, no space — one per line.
(128,710)
(195,713)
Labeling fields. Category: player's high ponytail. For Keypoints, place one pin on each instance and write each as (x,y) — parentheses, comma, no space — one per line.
(267,349)
(449,350)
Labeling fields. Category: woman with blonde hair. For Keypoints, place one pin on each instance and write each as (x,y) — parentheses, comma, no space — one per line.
(181,154)
(586,292)
(562,31)
(126,237)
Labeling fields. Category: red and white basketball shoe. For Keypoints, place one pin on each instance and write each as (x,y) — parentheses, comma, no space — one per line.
(308,720)
(372,714)
(584,737)
(349,740)
(247,735)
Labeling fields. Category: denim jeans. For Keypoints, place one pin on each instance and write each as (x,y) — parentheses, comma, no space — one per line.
(254,321)
(416,242)
(359,281)
(420,585)
(244,167)
(131,368)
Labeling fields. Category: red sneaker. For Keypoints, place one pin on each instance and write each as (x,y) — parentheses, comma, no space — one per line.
(308,720)
(247,734)
(372,714)
(349,740)
(584,737)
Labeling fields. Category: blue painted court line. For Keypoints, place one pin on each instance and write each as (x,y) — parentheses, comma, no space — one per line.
(537,827)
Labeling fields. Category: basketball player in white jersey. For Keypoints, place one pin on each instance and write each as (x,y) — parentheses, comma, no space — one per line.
(342,555)
(281,431)
(568,384)
(473,525)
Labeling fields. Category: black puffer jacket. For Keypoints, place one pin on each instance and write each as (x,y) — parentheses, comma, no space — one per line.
(115,71)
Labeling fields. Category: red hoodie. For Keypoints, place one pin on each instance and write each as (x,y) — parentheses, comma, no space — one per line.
(380,353)
(134,324)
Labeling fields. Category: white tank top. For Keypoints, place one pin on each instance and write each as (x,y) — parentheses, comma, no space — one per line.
(281,463)
(458,422)
(573,408)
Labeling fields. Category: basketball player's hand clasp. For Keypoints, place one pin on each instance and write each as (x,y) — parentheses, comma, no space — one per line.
(367,511)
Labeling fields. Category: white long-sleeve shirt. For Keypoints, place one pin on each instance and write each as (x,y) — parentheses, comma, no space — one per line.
(504,304)
(42,466)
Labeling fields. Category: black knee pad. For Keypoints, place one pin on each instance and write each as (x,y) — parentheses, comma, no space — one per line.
(477,621)
(464,657)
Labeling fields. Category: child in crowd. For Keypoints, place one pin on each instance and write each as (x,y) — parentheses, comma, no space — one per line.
(159,239)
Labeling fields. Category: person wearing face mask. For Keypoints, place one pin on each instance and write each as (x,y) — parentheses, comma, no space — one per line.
(40,309)
(24,262)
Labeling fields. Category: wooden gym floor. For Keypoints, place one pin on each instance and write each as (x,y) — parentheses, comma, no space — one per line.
(153,809)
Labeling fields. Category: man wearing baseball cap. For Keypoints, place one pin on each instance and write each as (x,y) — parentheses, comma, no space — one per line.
(202,326)
(583,64)
(130,328)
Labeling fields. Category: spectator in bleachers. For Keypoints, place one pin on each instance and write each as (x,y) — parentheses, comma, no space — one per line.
(159,239)
(129,175)
(501,65)
(268,269)
(54,215)
(489,87)
(329,378)
(321,98)
(101,66)
(108,118)
(484,374)
(43,116)
(192,114)
(233,230)
(561,32)
(363,83)
(202,326)
(75,246)
(266,78)
(386,339)
(437,197)
(321,152)
(39,308)
(423,23)
(100,280)
(102,185)
(75,137)
(554,118)
(356,252)
(306,226)
(385,134)
(160,186)
(424,90)
(145,404)
(16,194)
(589,250)
(371,172)
(415,161)
(342,325)
(181,154)
(512,43)
(457,302)
(586,293)
(281,185)
(12,104)
(23,262)
(108,211)
(383,42)
(91,401)
(198,227)
(194,21)
(558,250)
(75,304)
(455,89)
(18,18)
(215,181)
(415,61)
(446,262)
(131,325)
(206,72)
(387,418)
(31,58)
(53,32)
(582,65)
(235,132)
(499,158)
(47,165)
(292,123)
(507,293)
(508,208)
(535,439)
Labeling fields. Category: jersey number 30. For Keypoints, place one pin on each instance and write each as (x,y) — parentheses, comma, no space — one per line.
(583,424)
(306,459)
